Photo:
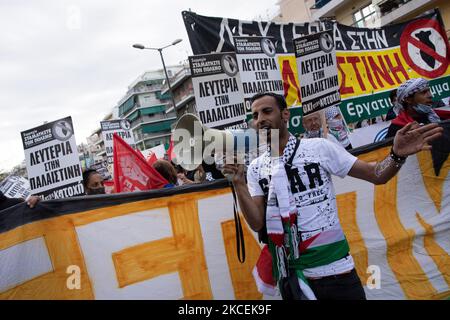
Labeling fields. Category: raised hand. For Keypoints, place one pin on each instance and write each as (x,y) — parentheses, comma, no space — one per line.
(413,138)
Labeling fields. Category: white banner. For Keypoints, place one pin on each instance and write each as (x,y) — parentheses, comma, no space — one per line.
(317,71)
(15,187)
(123,129)
(52,161)
(258,66)
(218,90)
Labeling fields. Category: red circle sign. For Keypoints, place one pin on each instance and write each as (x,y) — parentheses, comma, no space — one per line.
(407,39)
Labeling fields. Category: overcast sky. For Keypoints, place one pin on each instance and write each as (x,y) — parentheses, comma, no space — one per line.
(74,58)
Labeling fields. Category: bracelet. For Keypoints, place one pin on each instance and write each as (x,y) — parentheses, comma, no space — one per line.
(397,159)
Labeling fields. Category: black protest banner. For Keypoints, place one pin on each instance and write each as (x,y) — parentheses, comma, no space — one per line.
(371,62)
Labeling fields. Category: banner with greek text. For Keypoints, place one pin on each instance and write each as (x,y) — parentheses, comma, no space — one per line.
(52,161)
(218,90)
(371,62)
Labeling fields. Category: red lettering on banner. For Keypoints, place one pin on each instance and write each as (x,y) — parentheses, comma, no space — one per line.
(343,89)
(383,72)
(397,69)
(353,61)
(289,79)
(369,74)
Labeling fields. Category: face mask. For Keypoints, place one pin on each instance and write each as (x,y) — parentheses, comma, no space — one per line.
(427,111)
(422,108)
(335,124)
(314,133)
(337,129)
(100,190)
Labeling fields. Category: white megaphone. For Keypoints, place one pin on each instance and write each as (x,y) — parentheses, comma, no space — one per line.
(194,143)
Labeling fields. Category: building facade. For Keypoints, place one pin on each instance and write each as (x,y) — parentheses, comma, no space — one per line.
(360,13)
(148,109)
(95,151)
(182,90)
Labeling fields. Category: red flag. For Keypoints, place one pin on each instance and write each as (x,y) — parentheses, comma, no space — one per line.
(170,153)
(131,171)
(151,159)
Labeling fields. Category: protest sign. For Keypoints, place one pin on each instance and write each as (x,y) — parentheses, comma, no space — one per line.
(102,168)
(15,187)
(258,67)
(218,90)
(123,128)
(52,161)
(317,71)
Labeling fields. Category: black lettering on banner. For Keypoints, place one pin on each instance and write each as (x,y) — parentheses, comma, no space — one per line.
(222,113)
(262,86)
(317,63)
(259,64)
(319,86)
(124,134)
(216,87)
(313,172)
(50,153)
(55,176)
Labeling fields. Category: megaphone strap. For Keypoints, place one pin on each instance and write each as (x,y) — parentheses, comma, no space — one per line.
(240,245)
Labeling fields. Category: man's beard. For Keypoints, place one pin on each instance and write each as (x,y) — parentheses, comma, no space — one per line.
(314,133)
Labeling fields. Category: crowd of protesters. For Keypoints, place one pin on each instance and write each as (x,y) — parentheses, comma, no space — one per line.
(411,102)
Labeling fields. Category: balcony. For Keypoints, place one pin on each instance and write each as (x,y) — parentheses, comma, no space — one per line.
(325,8)
(394,10)
(177,80)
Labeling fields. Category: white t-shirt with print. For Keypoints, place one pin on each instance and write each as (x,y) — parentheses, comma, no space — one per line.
(315,161)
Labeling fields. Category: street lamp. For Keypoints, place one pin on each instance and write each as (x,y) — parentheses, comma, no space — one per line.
(140,46)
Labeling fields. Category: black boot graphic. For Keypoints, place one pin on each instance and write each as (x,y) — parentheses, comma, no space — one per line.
(424,37)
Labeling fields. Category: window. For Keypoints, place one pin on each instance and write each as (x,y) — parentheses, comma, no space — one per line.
(365,17)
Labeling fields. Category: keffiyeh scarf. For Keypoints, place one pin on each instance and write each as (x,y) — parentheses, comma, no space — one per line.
(281,221)
(407,89)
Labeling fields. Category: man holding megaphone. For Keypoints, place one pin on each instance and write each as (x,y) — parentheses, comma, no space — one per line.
(289,200)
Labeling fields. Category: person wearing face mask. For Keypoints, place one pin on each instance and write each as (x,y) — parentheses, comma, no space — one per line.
(93,182)
(414,103)
(337,131)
